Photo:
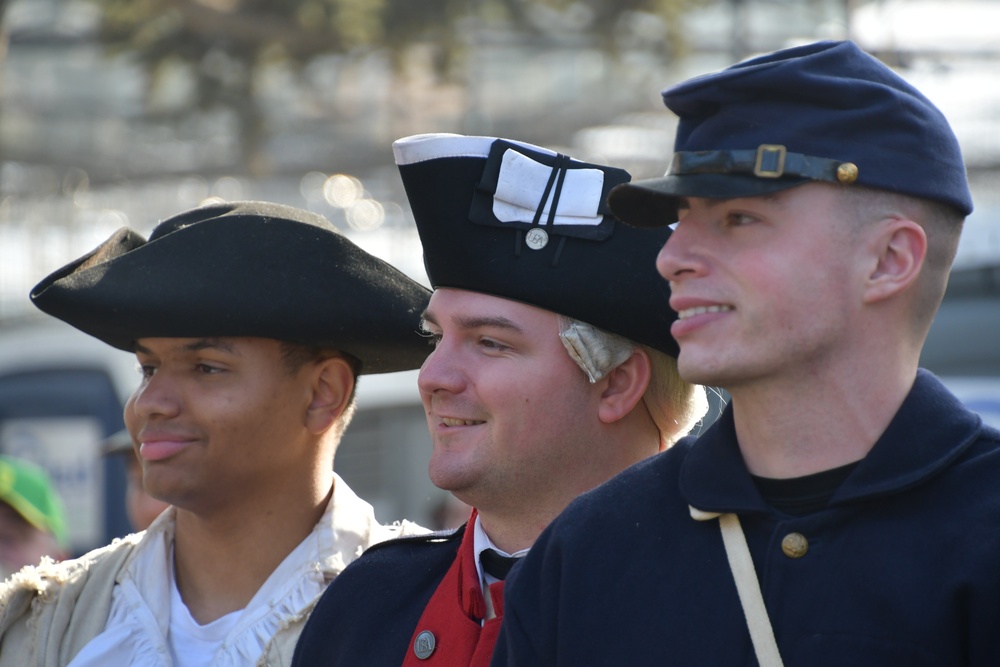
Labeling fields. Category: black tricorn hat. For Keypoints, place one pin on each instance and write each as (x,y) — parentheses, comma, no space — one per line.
(524,223)
(243,269)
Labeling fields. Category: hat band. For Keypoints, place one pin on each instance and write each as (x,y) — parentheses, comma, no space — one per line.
(768,161)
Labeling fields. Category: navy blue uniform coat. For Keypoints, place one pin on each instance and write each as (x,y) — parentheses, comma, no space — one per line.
(902,567)
(368,614)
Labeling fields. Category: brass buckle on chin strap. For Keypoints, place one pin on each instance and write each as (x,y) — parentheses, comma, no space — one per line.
(770,162)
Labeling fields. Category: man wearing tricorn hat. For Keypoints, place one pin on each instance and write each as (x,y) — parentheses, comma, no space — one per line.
(250,323)
(553,369)
(843,509)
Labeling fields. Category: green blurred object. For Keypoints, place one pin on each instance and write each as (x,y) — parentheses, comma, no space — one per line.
(27,488)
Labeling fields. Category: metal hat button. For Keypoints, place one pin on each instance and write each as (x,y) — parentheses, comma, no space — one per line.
(424,644)
(536,238)
(847,173)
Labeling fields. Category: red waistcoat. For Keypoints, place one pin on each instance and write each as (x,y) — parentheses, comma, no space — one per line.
(451,632)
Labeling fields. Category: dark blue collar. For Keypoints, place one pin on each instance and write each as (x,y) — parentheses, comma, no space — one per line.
(930,430)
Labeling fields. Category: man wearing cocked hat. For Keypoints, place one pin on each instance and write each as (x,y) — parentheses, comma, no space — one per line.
(250,323)
(553,369)
(844,508)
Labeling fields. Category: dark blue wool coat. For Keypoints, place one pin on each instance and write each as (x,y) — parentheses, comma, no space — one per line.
(902,567)
(367,616)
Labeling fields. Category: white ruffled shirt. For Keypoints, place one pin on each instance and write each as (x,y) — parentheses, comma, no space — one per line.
(139,624)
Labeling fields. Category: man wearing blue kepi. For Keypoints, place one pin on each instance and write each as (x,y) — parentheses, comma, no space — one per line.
(553,369)
(844,508)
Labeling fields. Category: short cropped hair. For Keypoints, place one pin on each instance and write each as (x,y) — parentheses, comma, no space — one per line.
(941,222)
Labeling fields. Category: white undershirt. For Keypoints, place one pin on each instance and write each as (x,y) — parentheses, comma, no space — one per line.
(191,644)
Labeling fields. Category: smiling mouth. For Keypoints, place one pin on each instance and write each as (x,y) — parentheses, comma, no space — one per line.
(449,422)
(701,310)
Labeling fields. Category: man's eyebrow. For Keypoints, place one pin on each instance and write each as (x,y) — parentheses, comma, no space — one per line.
(493,322)
(712,202)
(477,322)
(197,345)
(211,343)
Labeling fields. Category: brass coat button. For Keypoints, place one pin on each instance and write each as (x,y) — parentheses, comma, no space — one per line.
(795,545)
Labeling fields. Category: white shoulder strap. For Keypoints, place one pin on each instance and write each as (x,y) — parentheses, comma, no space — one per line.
(747,585)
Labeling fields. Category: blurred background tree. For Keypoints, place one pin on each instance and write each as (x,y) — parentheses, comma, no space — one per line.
(220,46)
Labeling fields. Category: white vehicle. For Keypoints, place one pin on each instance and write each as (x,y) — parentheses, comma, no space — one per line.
(62,394)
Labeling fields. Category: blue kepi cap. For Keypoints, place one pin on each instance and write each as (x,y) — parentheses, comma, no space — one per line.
(825,111)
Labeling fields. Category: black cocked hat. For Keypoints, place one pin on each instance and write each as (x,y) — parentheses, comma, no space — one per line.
(825,111)
(524,223)
(243,269)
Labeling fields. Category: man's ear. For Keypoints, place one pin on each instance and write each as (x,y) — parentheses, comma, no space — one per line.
(624,387)
(332,386)
(900,246)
